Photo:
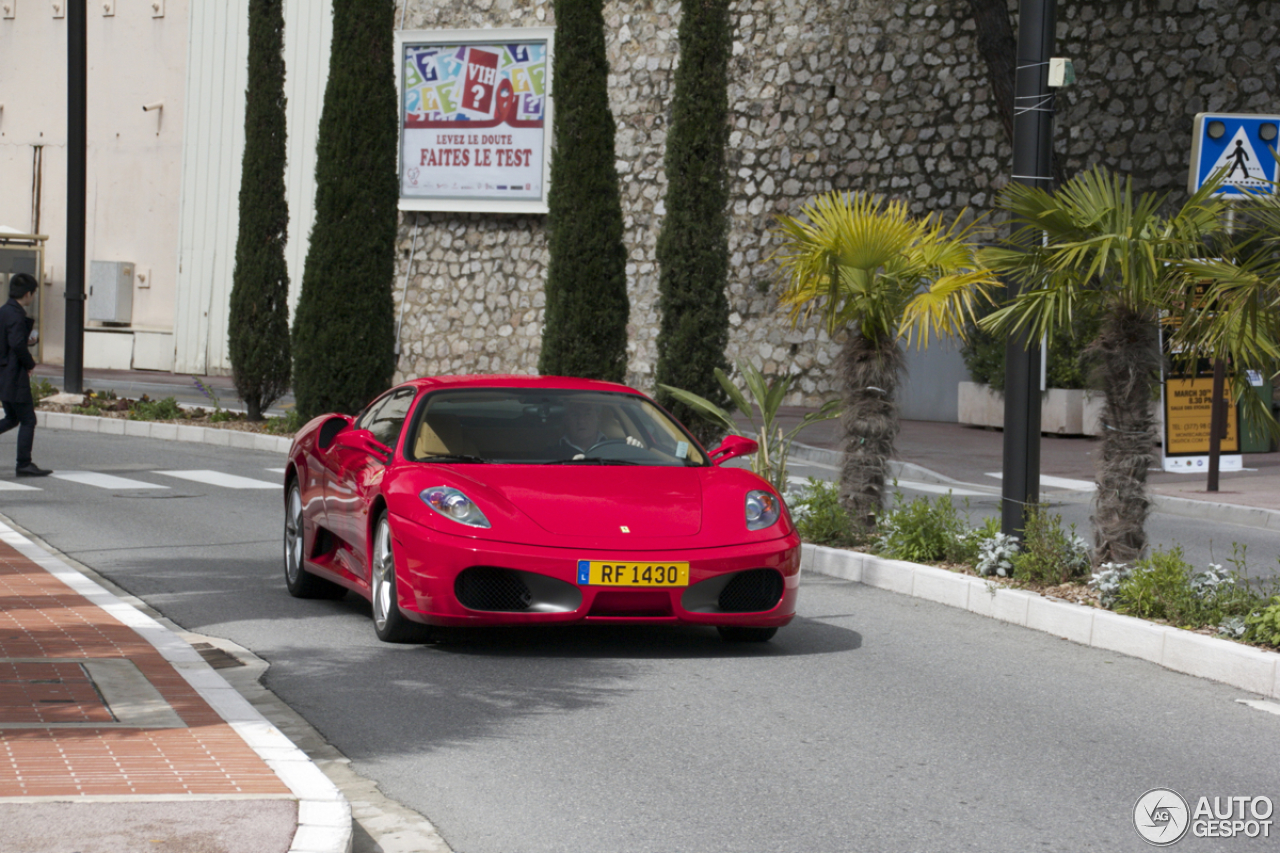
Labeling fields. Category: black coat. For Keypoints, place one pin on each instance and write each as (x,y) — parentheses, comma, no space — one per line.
(15,358)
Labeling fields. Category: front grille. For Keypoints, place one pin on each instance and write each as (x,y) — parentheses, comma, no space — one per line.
(750,591)
(487,588)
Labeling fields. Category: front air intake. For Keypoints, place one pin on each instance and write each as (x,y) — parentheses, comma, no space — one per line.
(492,589)
(751,591)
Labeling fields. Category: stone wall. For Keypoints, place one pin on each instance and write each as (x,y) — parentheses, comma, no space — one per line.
(850,94)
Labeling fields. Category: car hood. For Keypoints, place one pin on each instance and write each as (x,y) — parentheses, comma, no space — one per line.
(595,501)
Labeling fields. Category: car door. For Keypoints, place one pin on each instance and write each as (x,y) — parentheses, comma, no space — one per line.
(356,470)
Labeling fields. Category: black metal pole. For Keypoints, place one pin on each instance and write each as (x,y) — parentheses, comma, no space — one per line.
(77,86)
(1217,423)
(1032,165)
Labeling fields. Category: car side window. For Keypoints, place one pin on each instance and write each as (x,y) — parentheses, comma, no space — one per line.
(386,418)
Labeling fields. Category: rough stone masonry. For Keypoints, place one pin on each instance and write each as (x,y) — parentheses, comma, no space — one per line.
(888,97)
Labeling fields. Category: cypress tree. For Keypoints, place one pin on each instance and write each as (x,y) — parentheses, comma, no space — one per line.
(585,332)
(258,333)
(343,332)
(693,246)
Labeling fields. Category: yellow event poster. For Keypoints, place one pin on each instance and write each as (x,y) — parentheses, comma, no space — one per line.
(1187,413)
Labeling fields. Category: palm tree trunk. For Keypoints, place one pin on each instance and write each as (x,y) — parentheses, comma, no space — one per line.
(1128,361)
(869,372)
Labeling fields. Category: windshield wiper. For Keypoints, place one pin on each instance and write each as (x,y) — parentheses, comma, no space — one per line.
(454,457)
(592,460)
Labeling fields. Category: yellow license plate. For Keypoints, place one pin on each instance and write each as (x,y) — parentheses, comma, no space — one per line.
(622,573)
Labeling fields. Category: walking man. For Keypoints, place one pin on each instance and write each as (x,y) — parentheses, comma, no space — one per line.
(15,364)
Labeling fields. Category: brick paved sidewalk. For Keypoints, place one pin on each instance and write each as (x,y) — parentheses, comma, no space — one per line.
(105,745)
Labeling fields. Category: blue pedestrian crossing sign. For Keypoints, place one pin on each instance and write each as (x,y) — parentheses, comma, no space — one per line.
(1243,147)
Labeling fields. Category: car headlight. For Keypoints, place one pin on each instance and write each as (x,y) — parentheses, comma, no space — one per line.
(454,505)
(763,509)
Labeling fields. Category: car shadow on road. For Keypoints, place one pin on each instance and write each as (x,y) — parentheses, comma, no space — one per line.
(628,642)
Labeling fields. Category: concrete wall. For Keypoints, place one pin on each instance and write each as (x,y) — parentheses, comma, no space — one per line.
(134,58)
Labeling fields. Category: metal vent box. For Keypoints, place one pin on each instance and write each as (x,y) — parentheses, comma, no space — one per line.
(111,291)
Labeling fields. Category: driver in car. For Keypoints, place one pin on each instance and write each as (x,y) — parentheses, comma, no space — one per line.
(582,431)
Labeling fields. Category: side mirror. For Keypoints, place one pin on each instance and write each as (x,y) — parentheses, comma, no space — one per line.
(331,428)
(732,447)
(362,439)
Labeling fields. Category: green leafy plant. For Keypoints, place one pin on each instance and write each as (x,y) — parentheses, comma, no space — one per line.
(155,410)
(921,531)
(1263,626)
(996,555)
(819,517)
(92,411)
(770,461)
(286,424)
(1165,586)
(1050,554)
(41,388)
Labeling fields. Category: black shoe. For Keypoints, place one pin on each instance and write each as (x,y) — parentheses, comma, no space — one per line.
(32,470)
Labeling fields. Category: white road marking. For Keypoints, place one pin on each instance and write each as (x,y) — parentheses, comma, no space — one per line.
(103,481)
(217,478)
(1269,707)
(1059,482)
(275,470)
(11,486)
(936,489)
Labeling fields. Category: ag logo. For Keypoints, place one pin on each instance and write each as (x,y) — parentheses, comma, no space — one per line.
(1161,817)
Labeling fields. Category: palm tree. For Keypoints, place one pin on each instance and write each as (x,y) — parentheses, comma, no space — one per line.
(867,267)
(1092,243)
(1242,284)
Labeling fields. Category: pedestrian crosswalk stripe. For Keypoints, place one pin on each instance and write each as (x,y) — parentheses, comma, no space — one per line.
(217,478)
(1057,482)
(11,486)
(104,481)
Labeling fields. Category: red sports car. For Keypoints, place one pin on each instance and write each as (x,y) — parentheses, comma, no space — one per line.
(517,500)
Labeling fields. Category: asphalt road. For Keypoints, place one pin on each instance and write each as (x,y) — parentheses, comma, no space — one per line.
(873,722)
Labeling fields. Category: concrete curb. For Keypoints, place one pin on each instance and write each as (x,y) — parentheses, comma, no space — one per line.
(165,431)
(324,815)
(1246,667)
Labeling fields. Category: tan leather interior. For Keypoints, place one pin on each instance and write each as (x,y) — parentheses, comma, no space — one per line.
(441,434)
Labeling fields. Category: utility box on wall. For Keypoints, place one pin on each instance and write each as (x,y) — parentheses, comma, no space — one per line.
(111,292)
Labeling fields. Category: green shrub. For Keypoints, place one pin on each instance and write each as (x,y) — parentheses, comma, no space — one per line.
(1049,554)
(984,353)
(1164,586)
(819,517)
(155,410)
(921,531)
(41,388)
(286,424)
(969,545)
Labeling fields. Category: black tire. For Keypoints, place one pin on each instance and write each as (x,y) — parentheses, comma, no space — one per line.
(739,634)
(301,583)
(389,623)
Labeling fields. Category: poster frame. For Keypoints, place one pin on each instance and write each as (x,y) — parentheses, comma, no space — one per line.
(460,37)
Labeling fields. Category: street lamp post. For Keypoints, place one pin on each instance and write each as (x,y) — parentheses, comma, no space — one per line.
(77,85)
(1033,166)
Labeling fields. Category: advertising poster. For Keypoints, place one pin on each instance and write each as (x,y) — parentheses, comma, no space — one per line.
(474,128)
(1188,408)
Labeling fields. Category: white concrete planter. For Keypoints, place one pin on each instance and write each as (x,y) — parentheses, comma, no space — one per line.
(1246,667)
(1062,411)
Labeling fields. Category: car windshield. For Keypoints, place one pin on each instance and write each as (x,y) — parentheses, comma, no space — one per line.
(525,427)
